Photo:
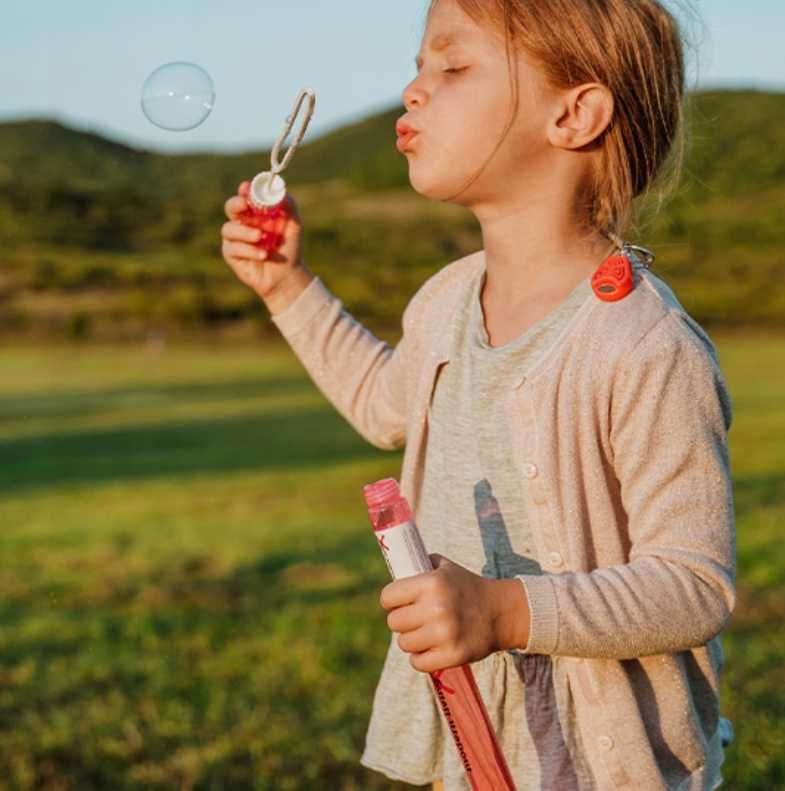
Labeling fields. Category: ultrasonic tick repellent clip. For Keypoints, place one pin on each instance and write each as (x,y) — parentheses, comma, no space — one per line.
(266,205)
(613,279)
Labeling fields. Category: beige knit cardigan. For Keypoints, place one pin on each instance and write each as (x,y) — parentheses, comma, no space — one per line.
(620,437)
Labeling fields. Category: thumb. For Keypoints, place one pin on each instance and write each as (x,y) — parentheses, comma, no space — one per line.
(294,209)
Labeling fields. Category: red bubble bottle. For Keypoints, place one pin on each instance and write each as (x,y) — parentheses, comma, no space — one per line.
(612,280)
(455,688)
(267,209)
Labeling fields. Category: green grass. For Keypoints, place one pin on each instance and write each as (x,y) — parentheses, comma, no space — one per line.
(189,587)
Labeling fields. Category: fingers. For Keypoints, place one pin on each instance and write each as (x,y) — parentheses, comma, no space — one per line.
(234,206)
(237,204)
(230,249)
(234,231)
(293,208)
(404,619)
(416,641)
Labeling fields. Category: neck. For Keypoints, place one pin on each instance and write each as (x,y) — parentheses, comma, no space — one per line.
(537,250)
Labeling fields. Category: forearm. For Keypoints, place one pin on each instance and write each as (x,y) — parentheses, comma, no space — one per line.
(361,375)
(648,606)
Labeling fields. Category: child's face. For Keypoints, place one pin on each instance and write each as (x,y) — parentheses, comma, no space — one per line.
(462,114)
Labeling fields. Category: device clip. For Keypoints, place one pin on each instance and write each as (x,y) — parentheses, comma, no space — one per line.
(613,279)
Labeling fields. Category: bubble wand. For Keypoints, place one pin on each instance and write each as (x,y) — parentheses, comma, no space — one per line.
(267,209)
(455,687)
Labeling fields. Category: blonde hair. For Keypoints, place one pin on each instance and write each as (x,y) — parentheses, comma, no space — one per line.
(634,48)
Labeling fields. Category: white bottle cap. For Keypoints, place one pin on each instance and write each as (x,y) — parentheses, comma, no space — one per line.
(266,190)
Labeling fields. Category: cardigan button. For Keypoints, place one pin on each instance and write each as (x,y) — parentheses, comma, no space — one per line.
(530,470)
(556,559)
(605,742)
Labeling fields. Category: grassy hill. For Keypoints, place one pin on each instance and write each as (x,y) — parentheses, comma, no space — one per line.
(98,239)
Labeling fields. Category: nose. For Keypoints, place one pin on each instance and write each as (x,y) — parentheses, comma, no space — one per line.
(412,94)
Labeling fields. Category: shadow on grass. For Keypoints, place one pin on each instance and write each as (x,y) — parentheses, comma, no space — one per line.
(309,438)
(91,402)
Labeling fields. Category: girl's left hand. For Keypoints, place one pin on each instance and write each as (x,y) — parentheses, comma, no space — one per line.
(444,616)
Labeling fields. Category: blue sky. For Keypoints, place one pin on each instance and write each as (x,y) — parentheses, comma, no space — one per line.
(84,62)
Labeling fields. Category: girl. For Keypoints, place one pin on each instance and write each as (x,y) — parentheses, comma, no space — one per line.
(566,454)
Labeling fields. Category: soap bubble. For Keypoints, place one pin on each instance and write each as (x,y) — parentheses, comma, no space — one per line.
(178,96)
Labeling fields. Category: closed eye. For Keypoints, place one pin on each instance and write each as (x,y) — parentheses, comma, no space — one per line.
(455,71)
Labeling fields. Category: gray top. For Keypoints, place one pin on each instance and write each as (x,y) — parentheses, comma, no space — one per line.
(474,513)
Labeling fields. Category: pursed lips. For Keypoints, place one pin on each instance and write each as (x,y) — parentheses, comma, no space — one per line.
(405,134)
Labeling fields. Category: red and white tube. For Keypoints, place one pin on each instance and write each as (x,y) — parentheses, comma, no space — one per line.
(455,687)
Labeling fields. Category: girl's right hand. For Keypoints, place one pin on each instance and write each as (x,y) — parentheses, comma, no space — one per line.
(262,271)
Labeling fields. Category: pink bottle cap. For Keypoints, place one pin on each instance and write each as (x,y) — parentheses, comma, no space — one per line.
(386,505)
(381,492)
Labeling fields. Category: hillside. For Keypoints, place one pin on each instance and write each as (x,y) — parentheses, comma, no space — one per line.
(101,240)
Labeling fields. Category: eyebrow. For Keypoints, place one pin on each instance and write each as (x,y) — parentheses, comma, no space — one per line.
(441,42)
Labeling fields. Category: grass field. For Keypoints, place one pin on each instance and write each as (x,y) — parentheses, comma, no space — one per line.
(189,587)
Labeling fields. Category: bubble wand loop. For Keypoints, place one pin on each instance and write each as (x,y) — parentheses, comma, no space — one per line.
(267,210)
(278,165)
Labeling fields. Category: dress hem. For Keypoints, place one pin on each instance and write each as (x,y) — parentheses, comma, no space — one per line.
(395,774)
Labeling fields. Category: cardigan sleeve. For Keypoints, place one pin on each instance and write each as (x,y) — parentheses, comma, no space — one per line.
(669,415)
(361,375)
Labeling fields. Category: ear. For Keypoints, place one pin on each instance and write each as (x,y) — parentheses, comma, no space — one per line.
(582,115)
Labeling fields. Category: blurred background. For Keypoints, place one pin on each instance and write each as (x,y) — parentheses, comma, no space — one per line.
(188,583)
